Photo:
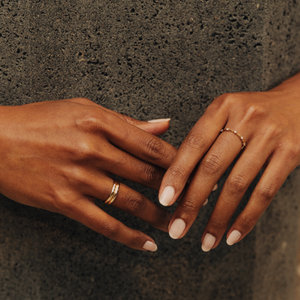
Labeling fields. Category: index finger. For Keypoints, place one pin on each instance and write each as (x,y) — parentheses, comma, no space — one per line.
(140,143)
(191,151)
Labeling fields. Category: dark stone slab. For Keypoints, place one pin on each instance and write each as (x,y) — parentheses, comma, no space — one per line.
(147,59)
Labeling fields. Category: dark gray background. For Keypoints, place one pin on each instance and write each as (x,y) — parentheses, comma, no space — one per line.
(147,59)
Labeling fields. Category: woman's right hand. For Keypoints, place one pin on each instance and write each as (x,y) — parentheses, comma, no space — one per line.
(57,156)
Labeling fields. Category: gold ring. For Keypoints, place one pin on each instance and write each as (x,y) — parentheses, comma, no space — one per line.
(238,135)
(114,193)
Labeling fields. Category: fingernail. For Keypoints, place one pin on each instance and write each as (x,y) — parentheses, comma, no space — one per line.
(150,246)
(167,196)
(206,201)
(234,236)
(177,229)
(160,120)
(208,242)
(215,187)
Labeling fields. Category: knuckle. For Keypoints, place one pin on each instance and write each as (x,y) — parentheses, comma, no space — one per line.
(266,193)
(85,150)
(255,109)
(62,204)
(292,150)
(211,164)
(253,112)
(273,129)
(110,230)
(247,222)
(217,223)
(236,184)
(195,140)
(135,204)
(155,149)
(89,121)
(177,173)
(151,175)
(189,208)
(227,99)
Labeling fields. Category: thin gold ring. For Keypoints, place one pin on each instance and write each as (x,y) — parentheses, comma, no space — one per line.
(114,193)
(238,135)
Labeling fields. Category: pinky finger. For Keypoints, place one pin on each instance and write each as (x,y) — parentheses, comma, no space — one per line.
(273,177)
(90,215)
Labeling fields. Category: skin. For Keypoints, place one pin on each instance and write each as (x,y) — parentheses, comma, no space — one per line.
(59,155)
(269,124)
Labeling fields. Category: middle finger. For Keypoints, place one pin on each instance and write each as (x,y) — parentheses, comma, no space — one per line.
(132,168)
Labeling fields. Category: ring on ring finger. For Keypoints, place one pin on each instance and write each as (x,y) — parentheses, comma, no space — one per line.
(114,193)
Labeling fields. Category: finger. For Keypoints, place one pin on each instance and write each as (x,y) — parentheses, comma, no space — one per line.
(280,166)
(244,172)
(209,171)
(140,143)
(127,166)
(87,213)
(193,148)
(132,202)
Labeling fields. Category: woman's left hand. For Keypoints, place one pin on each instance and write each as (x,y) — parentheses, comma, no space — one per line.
(269,124)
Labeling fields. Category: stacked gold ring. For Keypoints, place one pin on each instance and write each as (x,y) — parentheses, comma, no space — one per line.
(114,193)
(238,135)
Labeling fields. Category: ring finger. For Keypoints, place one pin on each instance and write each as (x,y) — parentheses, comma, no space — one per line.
(129,200)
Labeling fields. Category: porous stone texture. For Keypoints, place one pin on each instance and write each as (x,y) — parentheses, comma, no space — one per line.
(146,59)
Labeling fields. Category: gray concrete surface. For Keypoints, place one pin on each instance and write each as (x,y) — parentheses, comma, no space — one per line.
(147,59)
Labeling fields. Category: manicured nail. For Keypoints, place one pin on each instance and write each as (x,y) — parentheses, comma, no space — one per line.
(208,242)
(234,236)
(167,196)
(160,120)
(215,187)
(177,229)
(206,201)
(150,246)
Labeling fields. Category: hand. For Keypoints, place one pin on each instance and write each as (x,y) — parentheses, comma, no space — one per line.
(269,124)
(57,156)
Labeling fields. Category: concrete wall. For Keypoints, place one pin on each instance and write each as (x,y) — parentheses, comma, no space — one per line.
(147,59)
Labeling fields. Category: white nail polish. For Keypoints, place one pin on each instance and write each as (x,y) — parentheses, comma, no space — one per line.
(177,229)
(150,246)
(206,201)
(208,242)
(159,120)
(233,237)
(215,187)
(167,196)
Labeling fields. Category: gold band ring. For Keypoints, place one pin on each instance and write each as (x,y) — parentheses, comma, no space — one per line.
(114,193)
(238,135)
